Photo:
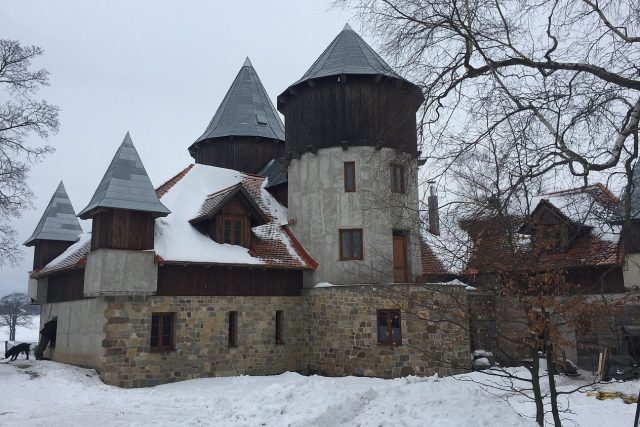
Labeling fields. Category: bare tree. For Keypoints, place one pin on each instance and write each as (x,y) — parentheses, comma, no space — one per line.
(14,312)
(20,116)
(564,70)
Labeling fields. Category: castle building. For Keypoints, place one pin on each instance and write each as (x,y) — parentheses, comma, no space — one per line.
(266,255)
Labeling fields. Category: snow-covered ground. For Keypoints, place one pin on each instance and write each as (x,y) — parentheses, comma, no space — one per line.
(27,333)
(54,394)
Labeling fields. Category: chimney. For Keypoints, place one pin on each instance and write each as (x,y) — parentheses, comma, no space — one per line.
(434,218)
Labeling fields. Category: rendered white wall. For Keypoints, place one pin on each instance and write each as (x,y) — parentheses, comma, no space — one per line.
(320,207)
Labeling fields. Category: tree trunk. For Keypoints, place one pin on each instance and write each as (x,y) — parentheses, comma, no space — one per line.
(12,332)
(553,393)
(535,385)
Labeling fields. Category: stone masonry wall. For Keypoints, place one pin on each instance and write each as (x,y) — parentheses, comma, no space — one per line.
(342,330)
(201,338)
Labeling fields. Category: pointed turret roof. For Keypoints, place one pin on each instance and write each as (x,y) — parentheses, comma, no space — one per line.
(125,185)
(246,110)
(58,221)
(348,53)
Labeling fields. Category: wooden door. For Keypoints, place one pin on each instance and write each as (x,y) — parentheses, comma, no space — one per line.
(400,259)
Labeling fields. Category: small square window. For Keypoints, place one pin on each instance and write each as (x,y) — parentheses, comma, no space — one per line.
(389,331)
(349,177)
(397,178)
(162,325)
(351,244)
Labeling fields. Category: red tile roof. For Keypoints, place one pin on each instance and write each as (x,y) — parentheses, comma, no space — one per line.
(74,257)
(431,265)
(164,188)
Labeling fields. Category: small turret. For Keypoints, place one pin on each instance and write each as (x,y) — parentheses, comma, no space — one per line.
(56,231)
(246,132)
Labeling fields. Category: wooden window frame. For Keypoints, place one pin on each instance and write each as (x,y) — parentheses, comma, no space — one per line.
(347,166)
(233,219)
(350,256)
(233,329)
(389,312)
(398,187)
(163,348)
(279,325)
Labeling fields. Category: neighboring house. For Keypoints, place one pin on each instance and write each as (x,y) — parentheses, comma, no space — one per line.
(575,232)
(571,231)
(211,274)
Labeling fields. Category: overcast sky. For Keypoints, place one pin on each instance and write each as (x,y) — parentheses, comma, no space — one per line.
(158,69)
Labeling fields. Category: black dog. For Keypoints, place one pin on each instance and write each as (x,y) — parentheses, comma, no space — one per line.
(14,351)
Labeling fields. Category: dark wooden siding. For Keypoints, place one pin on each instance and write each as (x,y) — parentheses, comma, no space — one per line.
(195,280)
(122,229)
(245,154)
(631,236)
(44,251)
(281,193)
(66,286)
(595,280)
(355,111)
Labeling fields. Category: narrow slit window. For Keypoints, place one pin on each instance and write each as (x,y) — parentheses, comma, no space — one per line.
(349,177)
(279,338)
(397,178)
(233,329)
(351,244)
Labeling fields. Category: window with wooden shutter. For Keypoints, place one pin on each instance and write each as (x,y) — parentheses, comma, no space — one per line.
(162,331)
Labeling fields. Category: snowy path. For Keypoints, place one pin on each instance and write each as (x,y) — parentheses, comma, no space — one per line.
(52,394)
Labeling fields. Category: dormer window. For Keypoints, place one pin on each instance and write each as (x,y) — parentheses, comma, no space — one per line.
(228,215)
(232,227)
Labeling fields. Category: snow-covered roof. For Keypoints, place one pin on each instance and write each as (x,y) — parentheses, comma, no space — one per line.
(74,256)
(176,240)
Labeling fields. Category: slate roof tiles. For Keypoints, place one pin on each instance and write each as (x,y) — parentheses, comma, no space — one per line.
(125,185)
(58,222)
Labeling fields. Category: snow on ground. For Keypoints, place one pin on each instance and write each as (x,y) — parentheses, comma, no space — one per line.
(54,394)
(27,333)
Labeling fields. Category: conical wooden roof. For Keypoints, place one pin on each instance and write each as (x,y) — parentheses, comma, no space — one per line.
(246,110)
(58,222)
(125,185)
(348,53)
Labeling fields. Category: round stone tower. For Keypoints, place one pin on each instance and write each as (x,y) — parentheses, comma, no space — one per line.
(351,144)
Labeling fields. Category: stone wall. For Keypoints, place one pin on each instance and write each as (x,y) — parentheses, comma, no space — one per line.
(342,330)
(201,338)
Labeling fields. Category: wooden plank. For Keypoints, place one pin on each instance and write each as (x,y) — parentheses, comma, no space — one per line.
(196,280)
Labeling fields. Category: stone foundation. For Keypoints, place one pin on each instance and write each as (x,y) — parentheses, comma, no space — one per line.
(201,339)
(343,339)
(332,331)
